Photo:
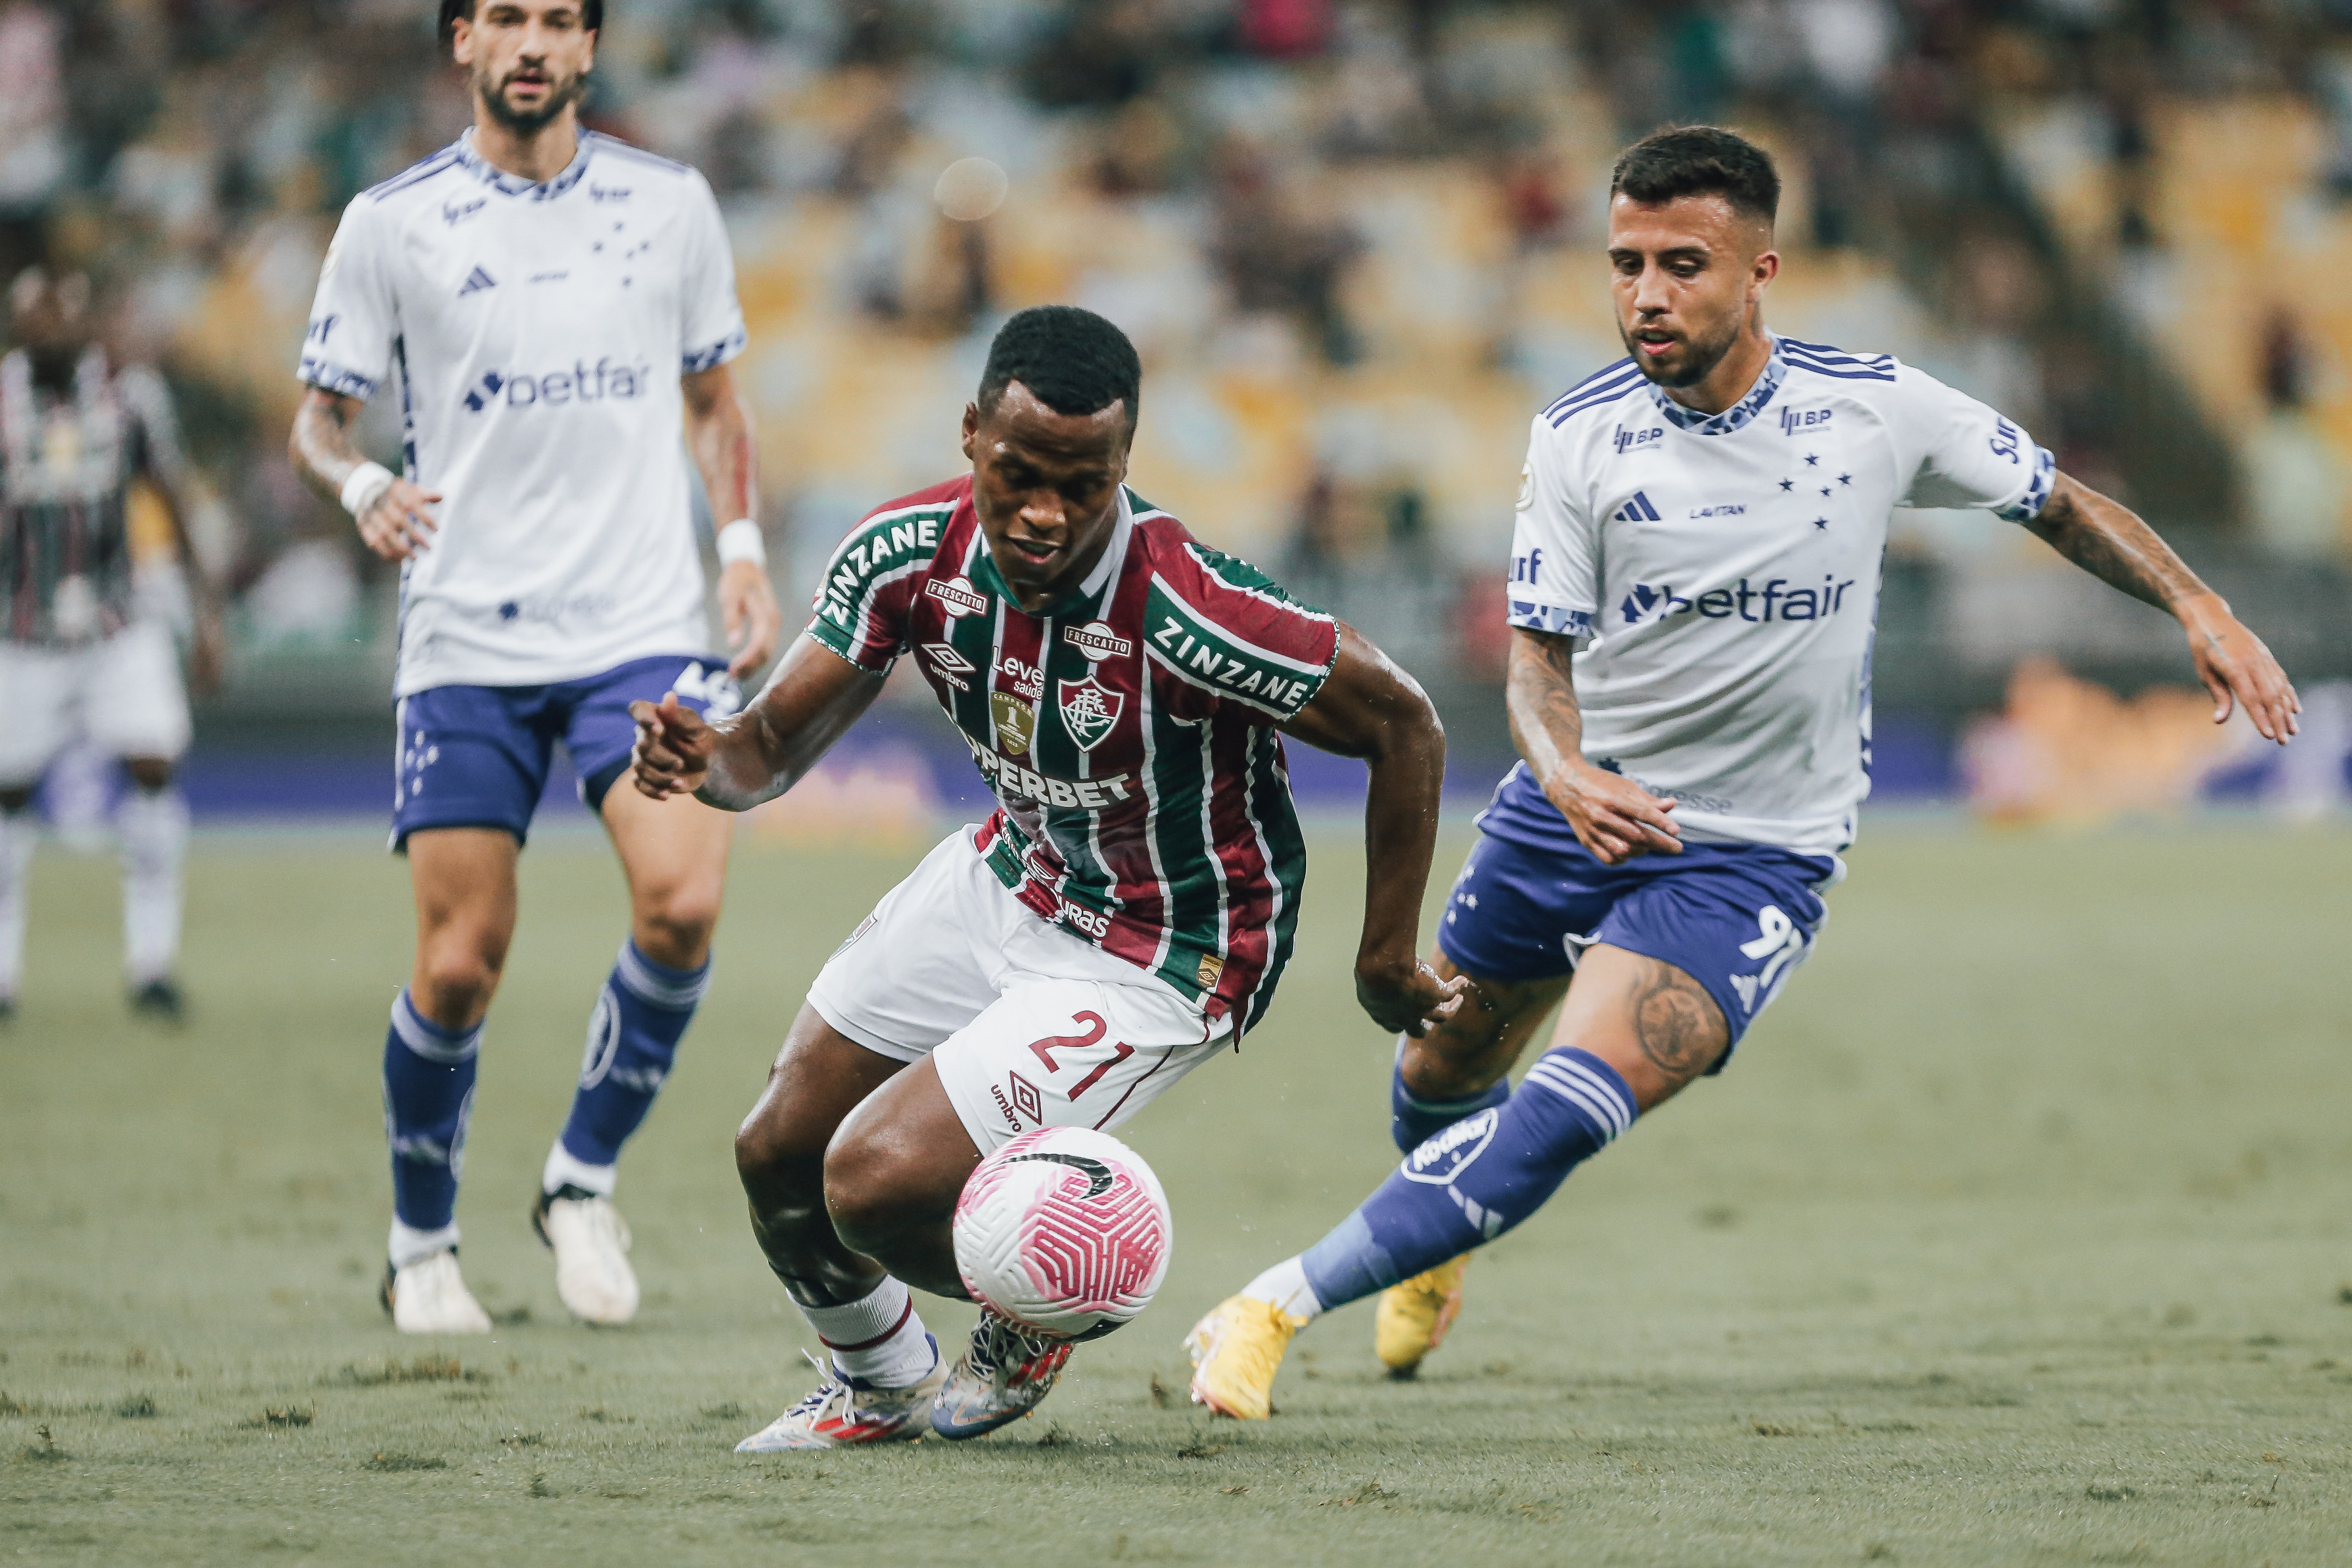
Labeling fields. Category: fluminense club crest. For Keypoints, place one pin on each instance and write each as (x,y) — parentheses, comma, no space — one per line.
(1090,708)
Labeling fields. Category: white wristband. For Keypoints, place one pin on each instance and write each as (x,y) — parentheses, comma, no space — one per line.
(741,540)
(365,488)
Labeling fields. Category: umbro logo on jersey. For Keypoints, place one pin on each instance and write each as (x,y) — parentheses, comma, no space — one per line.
(958,595)
(475,282)
(1098,641)
(950,666)
(1638,509)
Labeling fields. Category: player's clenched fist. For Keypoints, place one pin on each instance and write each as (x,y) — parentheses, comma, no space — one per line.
(1407,995)
(673,749)
(398,524)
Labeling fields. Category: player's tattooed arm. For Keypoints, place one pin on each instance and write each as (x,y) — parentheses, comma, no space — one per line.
(719,432)
(398,523)
(2109,541)
(1371,709)
(1612,816)
(734,764)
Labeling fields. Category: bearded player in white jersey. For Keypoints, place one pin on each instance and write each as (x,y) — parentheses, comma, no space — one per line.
(554,305)
(1693,594)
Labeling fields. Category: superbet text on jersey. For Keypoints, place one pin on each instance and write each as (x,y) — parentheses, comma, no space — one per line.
(1726,568)
(537,332)
(1127,731)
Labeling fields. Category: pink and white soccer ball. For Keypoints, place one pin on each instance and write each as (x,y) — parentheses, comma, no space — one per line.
(1063,1229)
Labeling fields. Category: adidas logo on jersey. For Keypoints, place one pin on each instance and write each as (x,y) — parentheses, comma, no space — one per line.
(475,282)
(1638,509)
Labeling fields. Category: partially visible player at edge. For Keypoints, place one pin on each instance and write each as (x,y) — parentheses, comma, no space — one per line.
(82,652)
(1706,520)
(1124,915)
(555,305)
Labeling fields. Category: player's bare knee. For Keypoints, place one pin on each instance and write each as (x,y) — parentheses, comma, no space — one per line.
(149,773)
(455,980)
(675,922)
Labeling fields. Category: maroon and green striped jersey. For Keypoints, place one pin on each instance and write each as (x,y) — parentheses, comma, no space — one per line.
(1129,730)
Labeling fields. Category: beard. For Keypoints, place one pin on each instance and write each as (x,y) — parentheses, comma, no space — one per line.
(562,94)
(1701,355)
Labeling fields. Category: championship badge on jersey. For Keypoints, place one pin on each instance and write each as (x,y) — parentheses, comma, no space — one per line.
(1016,722)
(1090,708)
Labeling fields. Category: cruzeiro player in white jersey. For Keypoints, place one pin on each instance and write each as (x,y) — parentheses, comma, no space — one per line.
(1707,519)
(554,305)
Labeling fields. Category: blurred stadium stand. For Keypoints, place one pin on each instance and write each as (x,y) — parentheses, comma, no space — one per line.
(1356,244)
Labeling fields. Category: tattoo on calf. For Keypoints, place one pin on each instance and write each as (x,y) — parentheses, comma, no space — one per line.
(1676,1022)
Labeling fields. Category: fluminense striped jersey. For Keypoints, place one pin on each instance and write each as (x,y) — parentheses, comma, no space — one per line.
(1129,732)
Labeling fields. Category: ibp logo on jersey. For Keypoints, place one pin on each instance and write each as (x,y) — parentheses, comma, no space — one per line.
(558,387)
(1628,439)
(1795,419)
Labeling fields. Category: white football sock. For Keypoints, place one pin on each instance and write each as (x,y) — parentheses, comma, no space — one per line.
(1285,1286)
(408,1245)
(564,1168)
(153,828)
(18,836)
(877,1338)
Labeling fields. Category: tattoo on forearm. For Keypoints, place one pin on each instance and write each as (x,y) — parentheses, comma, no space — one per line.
(1543,697)
(1676,1021)
(2108,541)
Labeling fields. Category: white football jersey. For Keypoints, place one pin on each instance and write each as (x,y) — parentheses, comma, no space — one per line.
(1726,569)
(537,332)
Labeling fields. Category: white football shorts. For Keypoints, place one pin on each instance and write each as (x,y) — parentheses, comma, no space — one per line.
(1028,1026)
(123,692)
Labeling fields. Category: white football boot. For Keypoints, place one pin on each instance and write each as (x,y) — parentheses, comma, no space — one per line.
(429,1297)
(1004,1374)
(843,1412)
(591,1243)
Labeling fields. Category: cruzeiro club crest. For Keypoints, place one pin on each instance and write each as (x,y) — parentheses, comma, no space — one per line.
(1090,708)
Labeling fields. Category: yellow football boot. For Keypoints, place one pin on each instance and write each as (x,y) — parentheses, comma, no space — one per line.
(1414,1316)
(1236,1350)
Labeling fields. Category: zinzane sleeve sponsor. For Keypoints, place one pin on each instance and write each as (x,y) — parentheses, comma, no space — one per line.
(1966,455)
(861,605)
(1222,627)
(354,318)
(711,318)
(1555,550)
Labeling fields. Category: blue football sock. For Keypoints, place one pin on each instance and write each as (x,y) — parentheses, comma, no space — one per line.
(1414,1120)
(428,1093)
(1475,1179)
(632,1039)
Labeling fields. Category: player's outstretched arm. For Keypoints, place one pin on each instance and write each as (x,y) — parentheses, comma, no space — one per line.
(1611,815)
(394,515)
(762,752)
(719,432)
(2109,541)
(1373,710)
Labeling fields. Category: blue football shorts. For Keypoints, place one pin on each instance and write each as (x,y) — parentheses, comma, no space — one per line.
(477,756)
(1736,918)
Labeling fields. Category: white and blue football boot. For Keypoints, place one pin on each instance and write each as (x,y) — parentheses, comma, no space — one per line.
(1002,1376)
(844,1411)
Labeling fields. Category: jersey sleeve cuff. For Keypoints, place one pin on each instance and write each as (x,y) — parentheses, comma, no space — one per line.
(835,641)
(715,354)
(2028,506)
(341,380)
(1551,618)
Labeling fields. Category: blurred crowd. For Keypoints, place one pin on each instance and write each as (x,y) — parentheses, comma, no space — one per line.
(1353,237)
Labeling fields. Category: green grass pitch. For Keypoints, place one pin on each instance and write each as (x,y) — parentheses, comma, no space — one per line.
(2018,1234)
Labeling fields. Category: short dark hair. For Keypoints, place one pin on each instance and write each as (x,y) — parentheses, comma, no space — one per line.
(1073,360)
(1699,160)
(592,15)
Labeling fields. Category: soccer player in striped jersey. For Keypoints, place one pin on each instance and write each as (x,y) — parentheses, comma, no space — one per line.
(1693,595)
(1124,915)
